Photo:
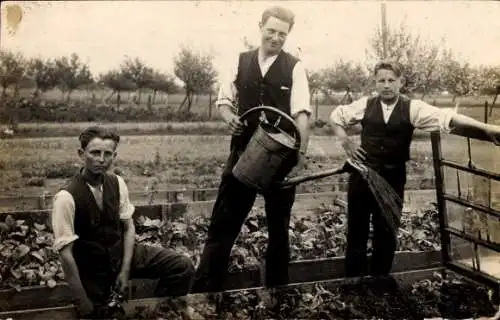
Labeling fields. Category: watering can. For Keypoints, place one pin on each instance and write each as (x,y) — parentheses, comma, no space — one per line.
(265,162)
(267,156)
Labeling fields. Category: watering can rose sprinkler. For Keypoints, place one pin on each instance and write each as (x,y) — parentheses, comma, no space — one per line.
(268,157)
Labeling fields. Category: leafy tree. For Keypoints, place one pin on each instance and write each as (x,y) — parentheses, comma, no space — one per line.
(419,59)
(197,72)
(43,74)
(72,74)
(140,74)
(457,77)
(342,76)
(12,70)
(489,79)
(162,82)
(117,82)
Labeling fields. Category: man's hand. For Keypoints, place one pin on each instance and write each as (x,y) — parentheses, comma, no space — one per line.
(232,120)
(122,281)
(353,151)
(493,132)
(235,125)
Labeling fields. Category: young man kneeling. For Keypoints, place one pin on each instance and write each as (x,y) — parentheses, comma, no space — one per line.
(95,235)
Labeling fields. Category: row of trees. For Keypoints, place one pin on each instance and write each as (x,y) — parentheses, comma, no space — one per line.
(69,74)
(428,68)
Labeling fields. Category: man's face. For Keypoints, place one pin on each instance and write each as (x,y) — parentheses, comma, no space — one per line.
(387,84)
(98,155)
(273,35)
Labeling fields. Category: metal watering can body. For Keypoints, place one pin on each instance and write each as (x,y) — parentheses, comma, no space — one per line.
(267,158)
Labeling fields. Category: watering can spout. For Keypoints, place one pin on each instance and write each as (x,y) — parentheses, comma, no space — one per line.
(347,167)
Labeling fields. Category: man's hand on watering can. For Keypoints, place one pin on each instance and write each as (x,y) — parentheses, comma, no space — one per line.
(235,125)
(353,151)
(232,120)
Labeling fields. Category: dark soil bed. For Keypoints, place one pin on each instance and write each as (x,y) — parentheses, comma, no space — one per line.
(449,298)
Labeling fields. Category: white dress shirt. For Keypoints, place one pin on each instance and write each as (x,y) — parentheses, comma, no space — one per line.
(423,116)
(299,96)
(63,212)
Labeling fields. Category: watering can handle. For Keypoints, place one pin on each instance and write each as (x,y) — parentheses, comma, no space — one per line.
(298,141)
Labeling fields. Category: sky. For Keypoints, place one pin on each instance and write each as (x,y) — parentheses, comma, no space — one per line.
(102,33)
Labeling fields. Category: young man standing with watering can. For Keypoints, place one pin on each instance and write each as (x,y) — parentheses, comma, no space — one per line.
(388,121)
(267,76)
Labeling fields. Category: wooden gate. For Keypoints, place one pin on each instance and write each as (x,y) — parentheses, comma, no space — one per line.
(468,198)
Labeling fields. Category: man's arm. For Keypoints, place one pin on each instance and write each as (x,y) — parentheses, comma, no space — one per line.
(62,220)
(226,97)
(300,107)
(343,117)
(72,276)
(430,118)
(126,212)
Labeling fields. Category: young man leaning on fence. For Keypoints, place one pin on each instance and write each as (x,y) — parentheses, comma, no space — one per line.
(95,235)
(266,76)
(388,121)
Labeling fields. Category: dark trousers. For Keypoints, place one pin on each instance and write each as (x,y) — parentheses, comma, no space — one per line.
(234,202)
(174,271)
(362,205)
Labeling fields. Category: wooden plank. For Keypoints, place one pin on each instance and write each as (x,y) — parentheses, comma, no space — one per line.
(300,271)
(67,312)
(25,202)
(305,204)
(35,297)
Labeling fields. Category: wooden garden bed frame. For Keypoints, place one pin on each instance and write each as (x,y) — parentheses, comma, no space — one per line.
(44,201)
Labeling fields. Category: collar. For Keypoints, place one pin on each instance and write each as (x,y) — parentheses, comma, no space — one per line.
(98,186)
(389,106)
(260,55)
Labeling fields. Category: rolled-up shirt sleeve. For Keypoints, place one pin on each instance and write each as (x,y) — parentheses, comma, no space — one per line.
(126,207)
(62,220)
(227,90)
(300,100)
(429,118)
(350,114)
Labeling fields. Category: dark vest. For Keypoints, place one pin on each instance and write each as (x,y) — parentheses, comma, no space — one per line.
(99,248)
(387,144)
(274,89)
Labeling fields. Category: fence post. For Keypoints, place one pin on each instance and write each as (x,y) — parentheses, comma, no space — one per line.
(317,107)
(440,191)
(486,112)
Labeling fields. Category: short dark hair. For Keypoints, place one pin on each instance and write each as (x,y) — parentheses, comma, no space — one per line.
(389,65)
(97,132)
(280,13)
